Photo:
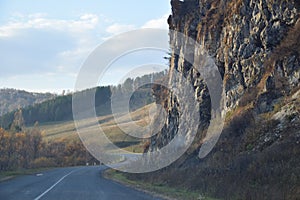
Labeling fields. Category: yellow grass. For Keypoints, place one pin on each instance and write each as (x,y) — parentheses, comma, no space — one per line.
(67,129)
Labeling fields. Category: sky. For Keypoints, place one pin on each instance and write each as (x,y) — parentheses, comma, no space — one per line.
(43,44)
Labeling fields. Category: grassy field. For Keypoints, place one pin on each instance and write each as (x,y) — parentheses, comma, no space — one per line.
(67,130)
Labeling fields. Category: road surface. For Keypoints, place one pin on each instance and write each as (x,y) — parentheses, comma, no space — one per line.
(76,183)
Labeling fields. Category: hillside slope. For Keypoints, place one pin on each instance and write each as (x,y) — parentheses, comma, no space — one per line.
(66,131)
(59,108)
(12,99)
(255,45)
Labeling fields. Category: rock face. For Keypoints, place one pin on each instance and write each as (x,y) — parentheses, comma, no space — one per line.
(255,45)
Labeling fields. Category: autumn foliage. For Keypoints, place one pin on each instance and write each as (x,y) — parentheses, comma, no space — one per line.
(26,149)
(22,148)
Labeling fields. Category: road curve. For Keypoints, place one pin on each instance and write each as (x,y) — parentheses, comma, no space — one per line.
(74,183)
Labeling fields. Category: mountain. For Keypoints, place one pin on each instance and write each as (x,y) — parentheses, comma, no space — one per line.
(255,45)
(57,109)
(11,99)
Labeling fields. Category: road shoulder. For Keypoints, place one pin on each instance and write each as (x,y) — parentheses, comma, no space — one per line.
(159,191)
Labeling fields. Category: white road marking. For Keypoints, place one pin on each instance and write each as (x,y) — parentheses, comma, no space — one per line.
(50,188)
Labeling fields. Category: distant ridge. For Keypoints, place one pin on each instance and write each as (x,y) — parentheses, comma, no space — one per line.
(12,99)
(59,108)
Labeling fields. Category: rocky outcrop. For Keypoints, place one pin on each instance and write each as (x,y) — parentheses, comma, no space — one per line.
(255,45)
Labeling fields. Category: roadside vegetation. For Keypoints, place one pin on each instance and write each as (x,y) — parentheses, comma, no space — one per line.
(161,190)
(57,144)
(23,148)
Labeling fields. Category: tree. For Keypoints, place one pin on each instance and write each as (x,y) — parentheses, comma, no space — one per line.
(5,149)
(18,122)
(36,139)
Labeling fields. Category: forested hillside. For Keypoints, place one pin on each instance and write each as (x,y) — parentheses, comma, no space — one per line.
(60,108)
(11,99)
(57,109)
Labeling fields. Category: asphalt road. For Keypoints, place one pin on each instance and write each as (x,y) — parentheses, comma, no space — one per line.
(82,183)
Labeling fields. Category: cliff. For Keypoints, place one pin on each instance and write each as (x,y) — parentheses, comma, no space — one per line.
(256,46)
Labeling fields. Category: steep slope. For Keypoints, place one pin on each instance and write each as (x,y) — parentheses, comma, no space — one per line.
(255,45)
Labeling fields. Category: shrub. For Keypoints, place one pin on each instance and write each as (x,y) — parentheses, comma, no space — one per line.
(43,162)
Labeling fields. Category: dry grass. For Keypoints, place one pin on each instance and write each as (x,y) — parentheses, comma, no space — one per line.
(289,45)
(157,189)
(67,130)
